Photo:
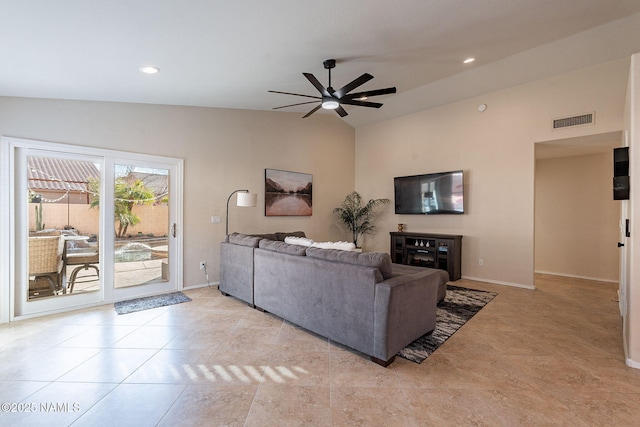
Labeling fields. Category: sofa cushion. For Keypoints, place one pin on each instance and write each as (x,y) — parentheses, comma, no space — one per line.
(270,236)
(244,240)
(379,260)
(280,235)
(282,247)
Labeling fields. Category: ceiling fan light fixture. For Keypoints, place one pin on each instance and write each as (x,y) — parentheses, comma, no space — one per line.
(330,103)
(331,99)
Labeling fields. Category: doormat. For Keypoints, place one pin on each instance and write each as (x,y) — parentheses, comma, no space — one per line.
(460,305)
(139,304)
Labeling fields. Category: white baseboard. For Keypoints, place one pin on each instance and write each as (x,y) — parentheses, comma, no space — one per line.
(498,282)
(202,285)
(632,364)
(576,276)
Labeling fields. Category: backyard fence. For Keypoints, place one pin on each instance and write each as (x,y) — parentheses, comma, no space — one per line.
(154,220)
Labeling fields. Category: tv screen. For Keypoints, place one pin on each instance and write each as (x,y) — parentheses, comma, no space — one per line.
(434,193)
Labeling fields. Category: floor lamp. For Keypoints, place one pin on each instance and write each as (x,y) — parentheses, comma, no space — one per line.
(244,199)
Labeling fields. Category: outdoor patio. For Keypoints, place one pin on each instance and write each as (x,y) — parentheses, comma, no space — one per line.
(126,274)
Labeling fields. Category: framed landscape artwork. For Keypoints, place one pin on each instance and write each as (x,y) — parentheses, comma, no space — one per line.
(287,193)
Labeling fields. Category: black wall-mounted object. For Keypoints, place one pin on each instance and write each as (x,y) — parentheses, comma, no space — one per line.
(621,161)
(627,228)
(621,173)
(620,188)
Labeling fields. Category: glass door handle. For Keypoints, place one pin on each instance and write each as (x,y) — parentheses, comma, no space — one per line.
(173,230)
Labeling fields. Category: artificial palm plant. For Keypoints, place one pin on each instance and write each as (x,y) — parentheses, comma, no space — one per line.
(359,218)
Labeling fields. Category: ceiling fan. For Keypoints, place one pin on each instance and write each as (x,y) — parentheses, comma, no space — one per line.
(332,99)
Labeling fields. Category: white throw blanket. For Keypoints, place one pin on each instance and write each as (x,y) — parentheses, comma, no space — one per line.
(303,241)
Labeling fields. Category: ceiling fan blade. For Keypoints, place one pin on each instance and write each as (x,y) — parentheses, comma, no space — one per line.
(341,111)
(369,93)
(360,103)
(317,107)
(293,105)
(351,86)
(316,84)
(296,94)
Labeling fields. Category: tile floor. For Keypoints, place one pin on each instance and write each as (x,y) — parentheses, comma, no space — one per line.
(547,357)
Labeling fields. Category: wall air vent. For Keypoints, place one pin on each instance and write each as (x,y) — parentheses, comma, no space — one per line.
(581,120)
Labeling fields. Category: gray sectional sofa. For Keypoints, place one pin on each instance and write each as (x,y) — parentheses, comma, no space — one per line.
(360,300)
(236,262)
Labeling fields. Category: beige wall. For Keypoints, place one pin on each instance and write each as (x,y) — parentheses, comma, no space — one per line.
(496,150)
(576,218)
(224,150)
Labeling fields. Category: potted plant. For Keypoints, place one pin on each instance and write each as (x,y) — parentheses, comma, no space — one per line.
(359,218)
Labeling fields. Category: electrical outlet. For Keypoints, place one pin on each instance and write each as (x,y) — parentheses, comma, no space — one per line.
(202,265)
(480,261)
(215,219)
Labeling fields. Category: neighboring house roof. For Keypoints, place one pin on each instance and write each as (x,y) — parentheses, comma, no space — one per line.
(46,173)
(157,183)
(62,175)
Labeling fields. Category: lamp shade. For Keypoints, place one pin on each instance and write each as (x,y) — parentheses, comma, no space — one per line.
(247,200)
(244,199)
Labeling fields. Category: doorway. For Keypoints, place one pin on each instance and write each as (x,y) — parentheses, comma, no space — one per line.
(87,226)
(576,219)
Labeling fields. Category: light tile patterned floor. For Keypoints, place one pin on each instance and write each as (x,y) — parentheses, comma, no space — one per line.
(547,357)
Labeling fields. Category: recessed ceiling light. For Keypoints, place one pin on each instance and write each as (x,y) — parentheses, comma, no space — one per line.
(149,69)
(469,60)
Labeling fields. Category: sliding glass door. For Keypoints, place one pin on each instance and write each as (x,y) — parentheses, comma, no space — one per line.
(57,230)
(87,226)
(145,230)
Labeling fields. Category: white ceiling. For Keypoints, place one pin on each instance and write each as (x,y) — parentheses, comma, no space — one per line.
(579,146)
(229,53)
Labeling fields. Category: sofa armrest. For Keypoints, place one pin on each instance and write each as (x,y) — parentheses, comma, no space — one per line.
(236,271)
(405,309)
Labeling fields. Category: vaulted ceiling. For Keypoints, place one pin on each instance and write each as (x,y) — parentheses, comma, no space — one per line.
(230,53)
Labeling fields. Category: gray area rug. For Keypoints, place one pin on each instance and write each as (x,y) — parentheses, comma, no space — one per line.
(460,305)
(139,304)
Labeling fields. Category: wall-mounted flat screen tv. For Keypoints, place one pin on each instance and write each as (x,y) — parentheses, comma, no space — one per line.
(434,193)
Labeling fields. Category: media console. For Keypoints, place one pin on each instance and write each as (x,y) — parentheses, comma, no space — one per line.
(442,251)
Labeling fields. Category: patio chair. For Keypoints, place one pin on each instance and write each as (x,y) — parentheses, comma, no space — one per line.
(85,259)
(45,232)
(46,260)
